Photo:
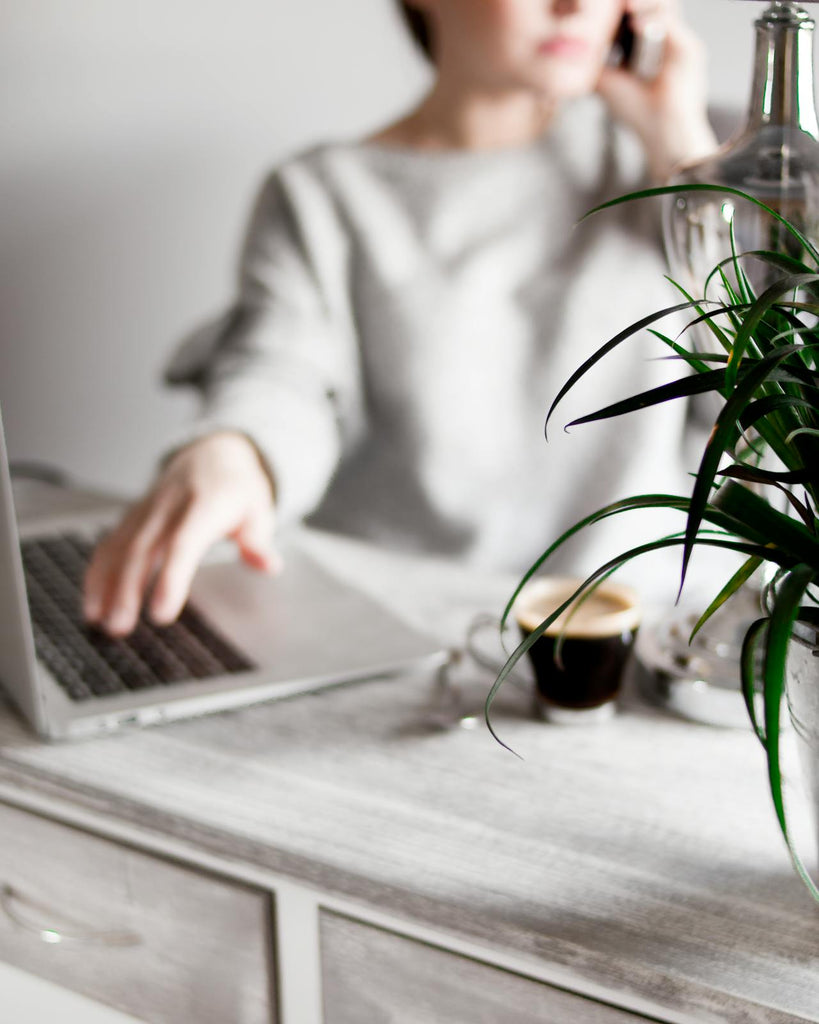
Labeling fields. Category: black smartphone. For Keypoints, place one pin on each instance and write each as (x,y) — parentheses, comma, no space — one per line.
(641,53)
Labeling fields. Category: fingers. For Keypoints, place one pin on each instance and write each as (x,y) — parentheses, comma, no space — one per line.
(684,44)
(254,539)
(197,531)
(623,91)
(122,564)
(216,487)
(663,21)
(662,10)
(194,535)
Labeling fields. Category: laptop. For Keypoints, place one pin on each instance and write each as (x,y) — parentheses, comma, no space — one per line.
(244,636)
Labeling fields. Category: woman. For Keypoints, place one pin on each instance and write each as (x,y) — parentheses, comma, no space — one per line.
(410,303)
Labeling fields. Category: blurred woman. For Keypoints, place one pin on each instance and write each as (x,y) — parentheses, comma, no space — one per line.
(409,304)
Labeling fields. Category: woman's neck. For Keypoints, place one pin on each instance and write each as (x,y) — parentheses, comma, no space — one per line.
(456,118)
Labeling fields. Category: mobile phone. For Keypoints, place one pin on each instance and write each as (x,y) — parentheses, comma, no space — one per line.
(639,52)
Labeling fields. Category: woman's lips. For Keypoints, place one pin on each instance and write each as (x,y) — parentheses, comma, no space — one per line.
(563,46)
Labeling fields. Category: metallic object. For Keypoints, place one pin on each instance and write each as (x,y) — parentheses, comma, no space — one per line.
(29,914)
(699,679)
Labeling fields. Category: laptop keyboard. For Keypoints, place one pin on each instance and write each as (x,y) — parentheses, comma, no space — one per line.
(87,662)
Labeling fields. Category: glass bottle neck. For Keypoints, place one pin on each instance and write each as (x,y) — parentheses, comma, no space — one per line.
(782,92)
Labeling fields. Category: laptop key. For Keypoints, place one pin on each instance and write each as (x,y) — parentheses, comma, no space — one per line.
(230,659)
(86,661)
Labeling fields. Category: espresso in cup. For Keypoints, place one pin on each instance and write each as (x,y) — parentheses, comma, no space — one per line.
(597,640)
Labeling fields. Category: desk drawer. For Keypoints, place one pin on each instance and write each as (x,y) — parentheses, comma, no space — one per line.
(369,974)
(162,942)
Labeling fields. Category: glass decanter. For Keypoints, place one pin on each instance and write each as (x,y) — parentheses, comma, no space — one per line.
(774,156)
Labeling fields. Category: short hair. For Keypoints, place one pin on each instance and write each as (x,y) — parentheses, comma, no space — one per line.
(418,24)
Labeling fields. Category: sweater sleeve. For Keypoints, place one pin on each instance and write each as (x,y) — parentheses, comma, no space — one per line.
(278,366)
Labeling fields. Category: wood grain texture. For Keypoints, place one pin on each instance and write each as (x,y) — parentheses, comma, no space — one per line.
(376,976)
(198,949)
(642,856)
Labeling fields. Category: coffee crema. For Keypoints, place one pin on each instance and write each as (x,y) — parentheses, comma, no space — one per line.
(611,610)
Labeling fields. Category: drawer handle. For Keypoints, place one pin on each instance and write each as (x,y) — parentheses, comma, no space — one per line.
(22,910)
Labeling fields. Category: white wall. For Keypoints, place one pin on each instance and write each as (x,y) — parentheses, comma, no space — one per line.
(132,137)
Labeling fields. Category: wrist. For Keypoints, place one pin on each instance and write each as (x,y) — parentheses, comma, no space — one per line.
(678,143)
(226,446)
(243,445)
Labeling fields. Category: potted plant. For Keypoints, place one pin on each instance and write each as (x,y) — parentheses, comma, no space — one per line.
(756,490)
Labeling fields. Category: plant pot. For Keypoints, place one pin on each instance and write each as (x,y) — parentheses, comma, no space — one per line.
(803,703)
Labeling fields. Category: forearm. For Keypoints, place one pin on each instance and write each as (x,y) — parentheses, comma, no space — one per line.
(677,143)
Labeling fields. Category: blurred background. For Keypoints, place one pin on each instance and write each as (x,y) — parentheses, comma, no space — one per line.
(133,137)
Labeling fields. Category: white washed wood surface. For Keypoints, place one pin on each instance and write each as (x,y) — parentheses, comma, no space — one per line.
(374,975)
(642,855)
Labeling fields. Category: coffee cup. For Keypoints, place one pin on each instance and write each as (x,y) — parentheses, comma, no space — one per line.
(578,681)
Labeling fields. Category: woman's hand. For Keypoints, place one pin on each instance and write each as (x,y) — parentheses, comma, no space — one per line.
(213,488)
(668,113)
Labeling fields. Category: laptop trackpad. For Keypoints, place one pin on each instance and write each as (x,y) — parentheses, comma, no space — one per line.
(305,621)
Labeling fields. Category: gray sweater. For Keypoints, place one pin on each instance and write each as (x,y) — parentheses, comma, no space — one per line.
(403,321)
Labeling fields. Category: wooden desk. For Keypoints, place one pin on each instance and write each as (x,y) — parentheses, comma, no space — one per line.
(336,844)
